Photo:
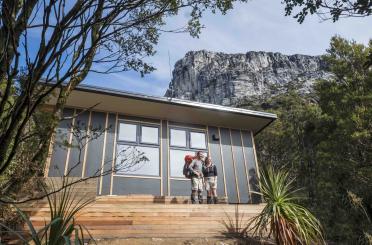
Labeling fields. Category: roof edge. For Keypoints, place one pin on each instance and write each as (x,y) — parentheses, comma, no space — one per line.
(180,102)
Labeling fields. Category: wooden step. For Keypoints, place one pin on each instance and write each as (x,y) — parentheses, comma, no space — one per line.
(144,210)
(143,218)
(127,217)
(132,199)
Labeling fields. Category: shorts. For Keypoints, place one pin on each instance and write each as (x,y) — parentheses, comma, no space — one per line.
(210,183)
(196,184)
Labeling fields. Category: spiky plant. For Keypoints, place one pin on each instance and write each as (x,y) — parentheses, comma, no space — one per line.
(282,217)
(64,204)
(235,226)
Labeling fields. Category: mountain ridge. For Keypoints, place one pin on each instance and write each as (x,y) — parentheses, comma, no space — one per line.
(226,79)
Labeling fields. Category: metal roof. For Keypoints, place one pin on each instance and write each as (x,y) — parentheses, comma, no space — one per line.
(165,108)
(174,101)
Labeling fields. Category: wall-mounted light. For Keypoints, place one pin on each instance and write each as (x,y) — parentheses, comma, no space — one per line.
(215,137)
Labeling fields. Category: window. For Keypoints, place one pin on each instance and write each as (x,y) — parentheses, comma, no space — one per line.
(149,135)
(176,159)
(137,160)
(128,132)
(178,137)
(184,141)
(197,140)
(185,138)
(138,150)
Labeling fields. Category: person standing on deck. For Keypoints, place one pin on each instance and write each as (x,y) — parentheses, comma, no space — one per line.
(210,179)
(196,170)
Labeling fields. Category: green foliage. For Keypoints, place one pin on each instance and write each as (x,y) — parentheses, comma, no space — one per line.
(17,176)
(324,139)
(333,9)
(62,229)
(344,151)
(289,222)
(64,206)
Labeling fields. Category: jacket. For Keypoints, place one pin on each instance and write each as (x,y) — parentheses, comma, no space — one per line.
(210,171)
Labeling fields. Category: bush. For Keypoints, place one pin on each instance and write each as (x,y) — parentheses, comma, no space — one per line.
(64,204)
(287,221)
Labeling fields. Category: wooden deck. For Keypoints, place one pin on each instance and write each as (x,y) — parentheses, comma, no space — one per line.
(147,216)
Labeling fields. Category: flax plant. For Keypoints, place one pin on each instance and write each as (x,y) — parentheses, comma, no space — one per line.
(235,226)
(64,204)
(282,217)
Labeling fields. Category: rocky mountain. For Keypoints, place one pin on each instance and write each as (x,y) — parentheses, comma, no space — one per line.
(228,79)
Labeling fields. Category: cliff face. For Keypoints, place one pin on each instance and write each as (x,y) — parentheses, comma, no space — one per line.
(227,79)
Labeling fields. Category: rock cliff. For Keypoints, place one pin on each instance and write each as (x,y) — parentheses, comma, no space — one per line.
(227,79)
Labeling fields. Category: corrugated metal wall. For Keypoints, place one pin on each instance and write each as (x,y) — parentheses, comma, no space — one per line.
(232,151)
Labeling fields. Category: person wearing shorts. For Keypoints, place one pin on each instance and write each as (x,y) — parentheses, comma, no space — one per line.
(196,170)
(210,179)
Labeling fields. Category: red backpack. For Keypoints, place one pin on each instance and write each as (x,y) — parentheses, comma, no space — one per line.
(186,170)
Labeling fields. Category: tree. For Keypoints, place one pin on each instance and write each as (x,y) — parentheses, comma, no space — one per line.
(333,9)
(324,139)
(344,149)
(289,142)
(51,46)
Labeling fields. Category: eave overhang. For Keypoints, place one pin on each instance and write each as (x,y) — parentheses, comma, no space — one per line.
(172,109)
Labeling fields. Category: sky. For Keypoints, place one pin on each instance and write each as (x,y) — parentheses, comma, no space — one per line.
(258,25)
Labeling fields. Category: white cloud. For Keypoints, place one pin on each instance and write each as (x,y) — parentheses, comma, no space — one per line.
(256,25)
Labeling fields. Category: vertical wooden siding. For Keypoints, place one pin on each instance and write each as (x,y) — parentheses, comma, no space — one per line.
(233,155)
(58,159)
(94,154)
(109,158)
(240,166)
(164,155)
(76,156)
(251,164)
(214,151)
(228,161)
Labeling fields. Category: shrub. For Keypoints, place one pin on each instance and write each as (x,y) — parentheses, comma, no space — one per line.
(64,204)
(287,221)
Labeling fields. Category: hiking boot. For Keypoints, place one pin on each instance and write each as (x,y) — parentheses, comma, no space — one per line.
(193,199)
(209,200)
(200,199)
(215,200)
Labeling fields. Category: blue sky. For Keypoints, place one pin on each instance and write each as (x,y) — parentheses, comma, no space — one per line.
(259,25)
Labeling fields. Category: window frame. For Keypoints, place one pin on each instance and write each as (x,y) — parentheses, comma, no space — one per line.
(140,134)
(139,143)
(188,138)
(136,174)
(188,145)
(127,141)
(205,140)
(170,137)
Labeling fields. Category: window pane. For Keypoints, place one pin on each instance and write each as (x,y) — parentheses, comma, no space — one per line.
(177,161)
(178,137)
(149,135)
(137,160)
(128,132)
(197,140)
